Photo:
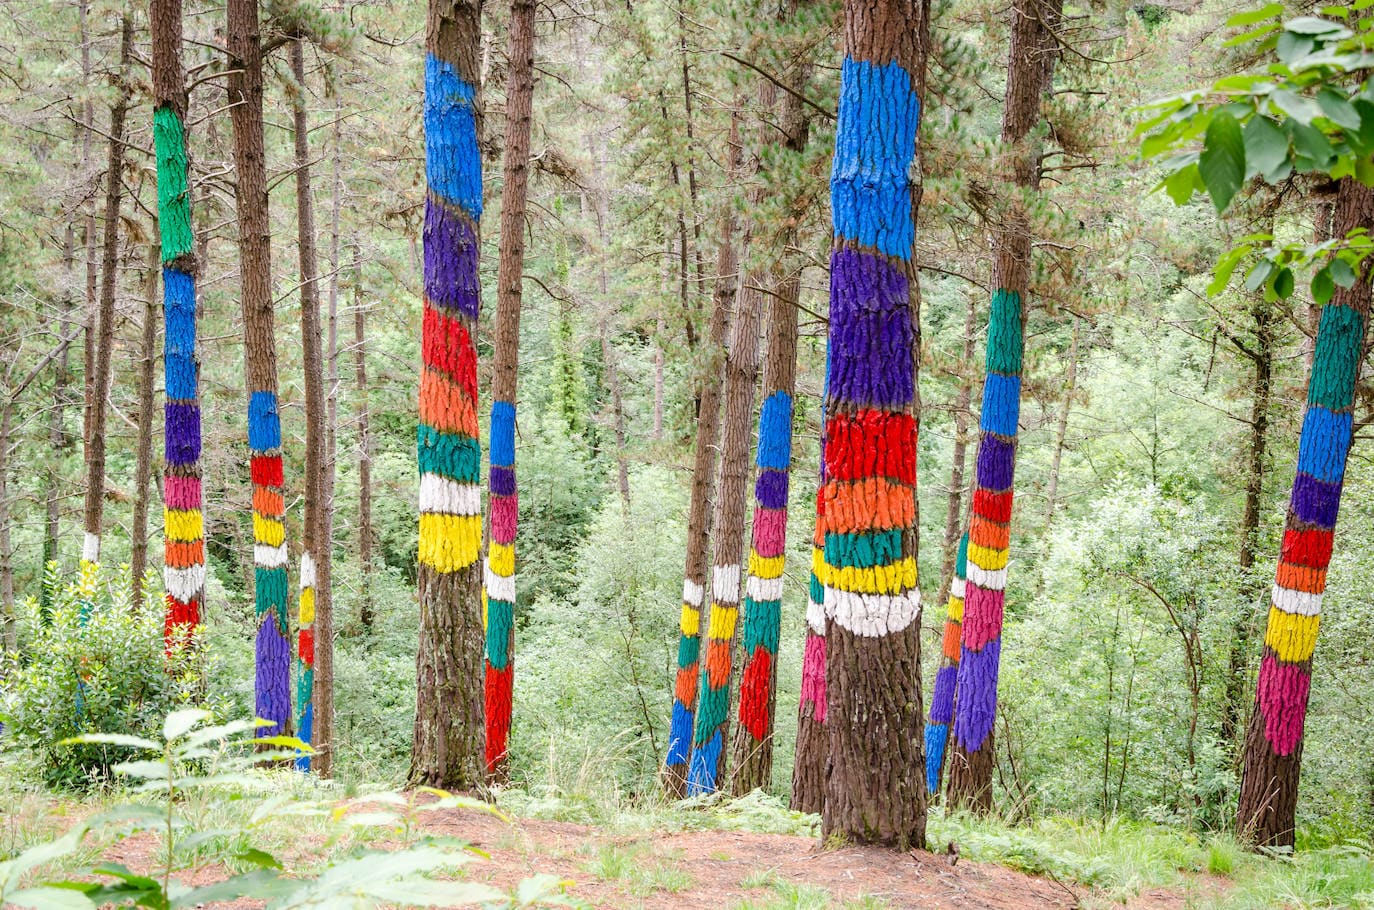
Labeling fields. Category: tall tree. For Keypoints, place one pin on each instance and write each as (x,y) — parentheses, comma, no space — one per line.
(683,720)
(273,650)
(1274,740)
(316,534)
(1030,65)
(447,750)
(811,758)
(364,449)
(138,529)
(500,575)
(99,381)
(184,533)
(873,789)
(942,698)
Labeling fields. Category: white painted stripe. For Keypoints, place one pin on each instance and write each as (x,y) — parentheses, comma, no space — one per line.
(269,557)
(500,587)
(815,616)
(988,581)
(873,614)
(693,593)
(1299,602)
(725,584)
(440,494)
(184,584)
(956,587)
(90,548)
(763,588)
(307,571)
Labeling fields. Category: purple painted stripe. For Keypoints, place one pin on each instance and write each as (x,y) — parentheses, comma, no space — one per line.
(942,701)
(869,359)
(502,481)
(450,259)
(996,463)
(1315,502)
(181,433)
(771,489)
(977,693)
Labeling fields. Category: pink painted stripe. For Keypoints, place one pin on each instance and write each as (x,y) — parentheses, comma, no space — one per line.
(982,616)
(770,532)
(813,674)
(1282,693)
(181,492)
(504,514)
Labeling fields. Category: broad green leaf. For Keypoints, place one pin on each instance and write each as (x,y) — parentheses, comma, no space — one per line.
(1338,110)
(1222,162)
(260,884)
(260,858)
(1322,287)
(1311,144)
(1362,140)
(220,731)
(415,891)
(113,739)
(285,742)
(50,898)
(144,770)
(1259,275)
(1293,47)
(1283,284)
(1341,273)
(1300,108)
(1268,11)
(179,723)
(1266,146)
(1224,269)
(1311,25)
(11,870)
(1247,37)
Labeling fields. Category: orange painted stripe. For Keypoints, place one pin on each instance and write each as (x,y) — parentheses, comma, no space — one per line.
(718,663)
(872,504)
(1301,578)
(950,647)
(268,503)
(445,406)
(984,533)
(686,689)
(181,555)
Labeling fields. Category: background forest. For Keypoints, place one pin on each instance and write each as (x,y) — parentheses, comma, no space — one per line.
(1159,424)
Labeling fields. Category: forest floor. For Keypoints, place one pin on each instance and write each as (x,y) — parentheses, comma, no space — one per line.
(720,869)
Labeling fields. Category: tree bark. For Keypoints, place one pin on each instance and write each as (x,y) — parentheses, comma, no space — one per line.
(58,438)
(138,534)
(954,501)
(1030,69)
(500,575)
(364,449)
(1274,740)
(699,508)
(114,186)
(873,789)
(245,88)
(10,637)
(448,744)
(1061,433)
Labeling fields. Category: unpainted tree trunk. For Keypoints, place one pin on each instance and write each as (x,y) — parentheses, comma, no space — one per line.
(502,500)
(1061,433)
(1274,739)
(138,549)
(954,498)
(245,88)
(365,613)
(59,439)
(449,731)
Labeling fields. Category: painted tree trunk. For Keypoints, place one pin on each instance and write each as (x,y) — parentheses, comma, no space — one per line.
(694,592)
(147,354)
(272,686)
(942,698)
(500,574)
(809,762)
(1029,70)
(315,532)
(874,791)
(109,282)
(1274,740)
(707,766)
(447,750)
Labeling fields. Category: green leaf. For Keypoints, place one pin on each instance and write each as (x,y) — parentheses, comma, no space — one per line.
(112,739)
(1259,275)
(1362,140)
(1291,48)
(1247,37)
(1181,183)
(1224,269)
(1283,284)
(1299,107)
(260,858)
(1341,273)
(1338,110)
(145,770)
(1266,146)
(1312,145)
(50,898)
(179,723)
(1268,11)
(1222,163)
(260,884)
(1311,25)
(1322,287)
(11,870)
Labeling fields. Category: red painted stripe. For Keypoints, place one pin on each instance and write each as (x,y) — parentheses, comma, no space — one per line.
(498,691)
(448,346)
(1307,548)
(992,506)
(266,470)
(753,694)
(871,443)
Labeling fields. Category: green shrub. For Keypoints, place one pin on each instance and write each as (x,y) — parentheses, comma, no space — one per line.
(93,664)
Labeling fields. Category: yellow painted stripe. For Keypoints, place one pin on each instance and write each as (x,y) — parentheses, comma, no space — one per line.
(890,579)
(484,610)
(269,532)
(501,559)
(722,626)
(690,620)
(183,525)
(987,558)
(759,567)
(955,610)
(307,614)
(449,542)
(1292,636)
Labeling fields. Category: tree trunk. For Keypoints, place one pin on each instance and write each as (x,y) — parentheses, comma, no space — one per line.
(1061,433)
(184,553)
(315,534)
(10,637)
(1030,68)
(448,745)
(954,501)
(138,544)
(100,386)
(364,449)
(699,502)
(273,650)
(58,438)
(873,789)
(712,727)
(942,698)
(1273,743)
(500,575)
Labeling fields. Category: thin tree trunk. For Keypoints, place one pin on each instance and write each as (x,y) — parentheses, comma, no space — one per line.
(954,502)
(698,508)
(1061,433)
(1030,68)
(448,744)
(500,574)
(184,549)
(58,438)
(874,789)
(7,617)
(1274,740)
(245,88)
(364,448)
(314,554)
(138,544)
(90,313)
(114,186)
(942,698)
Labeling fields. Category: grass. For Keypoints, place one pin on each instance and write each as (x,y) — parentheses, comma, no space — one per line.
(637,869)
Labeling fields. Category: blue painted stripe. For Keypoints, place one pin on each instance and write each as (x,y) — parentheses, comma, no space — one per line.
(701,775)
(264,423)
(453,165)
(775,432)
(1325,442)
(680,735)
(936,737)
(179,347)
(875,143)
(503,434)
(1001,404)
